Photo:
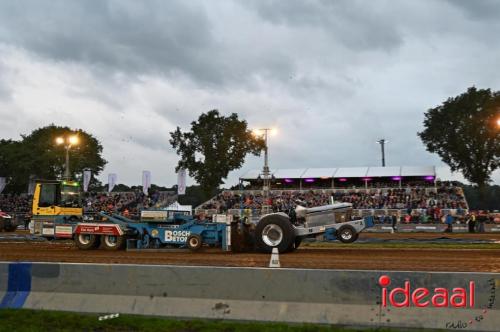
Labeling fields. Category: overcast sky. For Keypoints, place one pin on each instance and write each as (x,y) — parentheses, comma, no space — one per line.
(332,76)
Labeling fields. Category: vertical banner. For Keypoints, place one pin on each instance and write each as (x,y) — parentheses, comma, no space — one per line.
(3,183)
(181,182)
(111,181)
(31,185)
(146,181)
(87,174)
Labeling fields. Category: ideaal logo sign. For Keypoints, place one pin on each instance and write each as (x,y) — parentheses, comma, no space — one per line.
(458,297)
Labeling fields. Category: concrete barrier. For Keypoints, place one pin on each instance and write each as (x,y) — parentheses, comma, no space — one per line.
(287,295)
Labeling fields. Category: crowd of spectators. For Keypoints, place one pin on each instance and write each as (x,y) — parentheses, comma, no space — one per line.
(406,198)
(15,203)
(418,203)
(127,203)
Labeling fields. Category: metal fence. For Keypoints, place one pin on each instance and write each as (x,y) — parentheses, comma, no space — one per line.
(356,212)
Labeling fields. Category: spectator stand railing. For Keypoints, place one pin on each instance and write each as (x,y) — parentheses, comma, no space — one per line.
(360,213)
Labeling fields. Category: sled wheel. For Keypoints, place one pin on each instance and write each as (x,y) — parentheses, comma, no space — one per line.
(86,241)
(194,242)
(113,242)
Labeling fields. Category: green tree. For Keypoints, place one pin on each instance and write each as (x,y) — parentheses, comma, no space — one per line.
(488,199)
(12,163)
(39,156)
(214,146)
(463,132)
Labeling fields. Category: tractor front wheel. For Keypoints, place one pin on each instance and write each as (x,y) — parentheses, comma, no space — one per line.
(347,234)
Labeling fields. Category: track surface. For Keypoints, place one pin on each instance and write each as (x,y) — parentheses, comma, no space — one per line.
(357,257)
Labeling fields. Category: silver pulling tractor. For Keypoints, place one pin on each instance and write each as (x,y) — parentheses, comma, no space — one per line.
(286,231)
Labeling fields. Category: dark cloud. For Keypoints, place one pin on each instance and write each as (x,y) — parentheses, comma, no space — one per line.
(333,76)
(480,9)
(152,36)
(358,25)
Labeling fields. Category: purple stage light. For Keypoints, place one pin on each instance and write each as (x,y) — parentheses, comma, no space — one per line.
(309,180)
(342,179)
(429,178)
(396,178)
(367,179)
(288,180)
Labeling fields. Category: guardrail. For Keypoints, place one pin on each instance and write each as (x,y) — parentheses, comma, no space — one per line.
(343,297)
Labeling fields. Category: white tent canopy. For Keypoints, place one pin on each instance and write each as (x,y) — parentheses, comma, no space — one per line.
(351,172)
(312,173)
(175,206)
(418,171)
(289,173)
(343,172)
(384,171)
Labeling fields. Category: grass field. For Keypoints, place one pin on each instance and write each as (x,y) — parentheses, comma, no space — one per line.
(401,245)
(31,320)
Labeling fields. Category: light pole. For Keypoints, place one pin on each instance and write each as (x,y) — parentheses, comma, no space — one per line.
(265,172)
(382,146)
(68,142)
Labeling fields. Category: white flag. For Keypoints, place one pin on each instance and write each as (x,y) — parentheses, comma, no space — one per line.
(111,181)
(31,185)
(146,181)
(86,179)
(3,183)
(181,182)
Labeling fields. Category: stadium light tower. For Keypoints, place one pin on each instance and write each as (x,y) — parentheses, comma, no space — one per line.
(265,172)
(68,142)
(382,146)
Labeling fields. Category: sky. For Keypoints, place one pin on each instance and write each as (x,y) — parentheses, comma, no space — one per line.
(332,76)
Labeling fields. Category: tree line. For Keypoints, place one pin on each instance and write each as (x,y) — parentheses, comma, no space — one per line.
(464,131)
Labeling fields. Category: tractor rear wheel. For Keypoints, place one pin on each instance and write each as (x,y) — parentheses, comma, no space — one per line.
(294,244)
(194,242)
(87,241)
(113,242)
(274,232)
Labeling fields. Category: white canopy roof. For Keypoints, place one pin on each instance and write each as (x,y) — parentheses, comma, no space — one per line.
(343,172)
(319,173)
(384,171)
(351,172)
(418,171)
(175,206)
(289,173)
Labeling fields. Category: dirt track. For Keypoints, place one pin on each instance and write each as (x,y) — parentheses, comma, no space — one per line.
(484,260)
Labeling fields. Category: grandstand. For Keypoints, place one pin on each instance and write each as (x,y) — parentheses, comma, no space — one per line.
(412,192)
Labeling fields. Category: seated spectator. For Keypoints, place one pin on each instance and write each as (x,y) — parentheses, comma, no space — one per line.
(421,204)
